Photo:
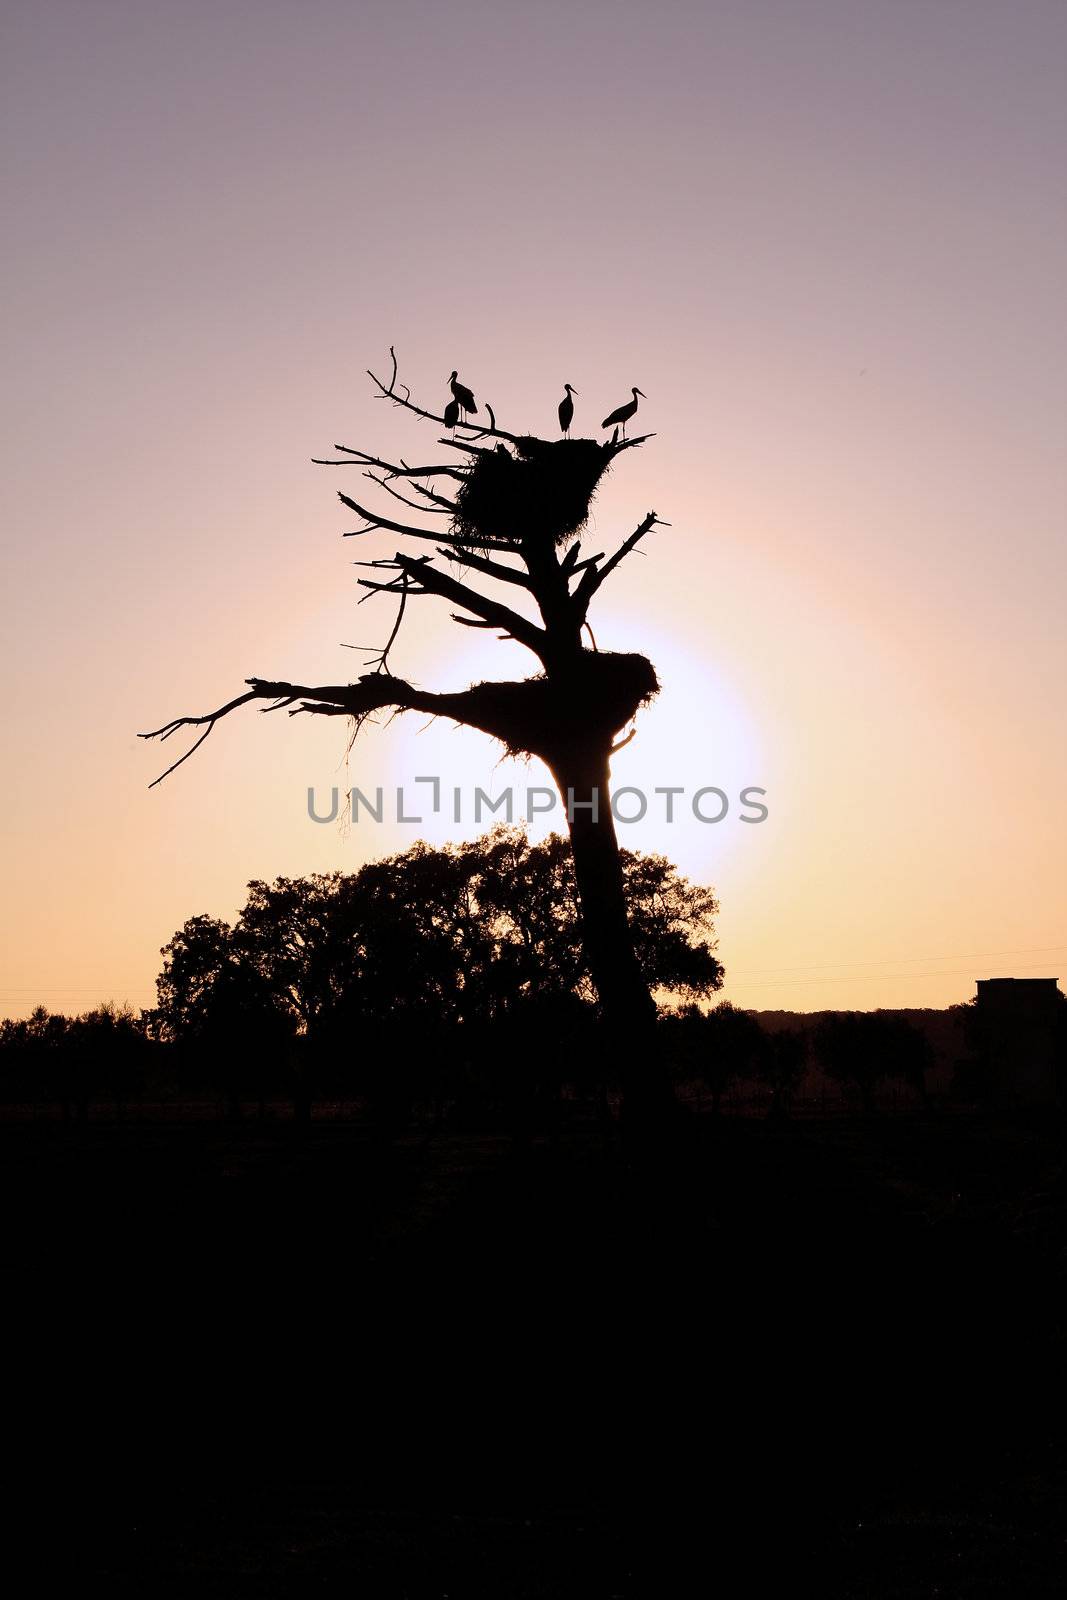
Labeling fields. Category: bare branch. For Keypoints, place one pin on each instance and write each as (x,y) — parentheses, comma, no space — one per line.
(491,569)
(393,587)
(209,719)
(388,392)
(434,535)
(437,511)
(495,709)
(462,444)
(526,715)
(491,611)
(377,521)
(382,662)
(361,458)
(439,499)
(397,585)
(617,446)
(594,576)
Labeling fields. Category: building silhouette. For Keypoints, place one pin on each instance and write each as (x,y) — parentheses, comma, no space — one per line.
(1018,1031)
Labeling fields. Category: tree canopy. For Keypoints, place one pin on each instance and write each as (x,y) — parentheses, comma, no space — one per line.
(463,933)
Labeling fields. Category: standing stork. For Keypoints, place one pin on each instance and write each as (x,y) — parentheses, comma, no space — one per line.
(461,393)
(624,413)
(566,409)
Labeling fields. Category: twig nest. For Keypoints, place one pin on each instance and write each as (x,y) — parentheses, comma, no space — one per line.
(539,491)
(543,717)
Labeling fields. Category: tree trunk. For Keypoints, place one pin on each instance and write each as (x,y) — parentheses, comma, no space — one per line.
(627,1007)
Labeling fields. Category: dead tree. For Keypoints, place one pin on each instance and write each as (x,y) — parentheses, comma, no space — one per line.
(507,511)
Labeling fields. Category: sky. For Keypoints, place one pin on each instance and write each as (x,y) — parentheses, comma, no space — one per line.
(825,237)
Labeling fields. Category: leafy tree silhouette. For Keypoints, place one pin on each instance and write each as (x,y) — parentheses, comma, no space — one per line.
(37,1059)
(718,1046)
(516,503)
(69,1060)
(864,1048)
(780,1063)
(215,1005)
(473,947)
(107,1049)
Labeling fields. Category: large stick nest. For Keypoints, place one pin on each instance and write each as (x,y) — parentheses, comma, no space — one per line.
(544,717)
(540,493)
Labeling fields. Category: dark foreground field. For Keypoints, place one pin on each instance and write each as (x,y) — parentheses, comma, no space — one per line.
(817,1359)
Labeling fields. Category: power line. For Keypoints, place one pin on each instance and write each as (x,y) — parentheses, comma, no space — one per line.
(872,977)
(67,989)
(965,955)
(819,969)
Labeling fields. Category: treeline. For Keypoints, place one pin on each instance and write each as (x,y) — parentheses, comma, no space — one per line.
(104,1054)
(433,980)
(858,1052)
(430,975)
(542,1048)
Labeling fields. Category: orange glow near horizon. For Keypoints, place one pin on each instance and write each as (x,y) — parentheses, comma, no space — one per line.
(830,249)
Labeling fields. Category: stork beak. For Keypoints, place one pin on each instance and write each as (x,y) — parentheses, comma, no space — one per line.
(642,393)
(572,389)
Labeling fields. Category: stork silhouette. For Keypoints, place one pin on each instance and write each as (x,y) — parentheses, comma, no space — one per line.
(566,409)
(624,413)
(461,393)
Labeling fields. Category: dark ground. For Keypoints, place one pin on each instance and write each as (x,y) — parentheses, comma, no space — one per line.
(818,1359)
